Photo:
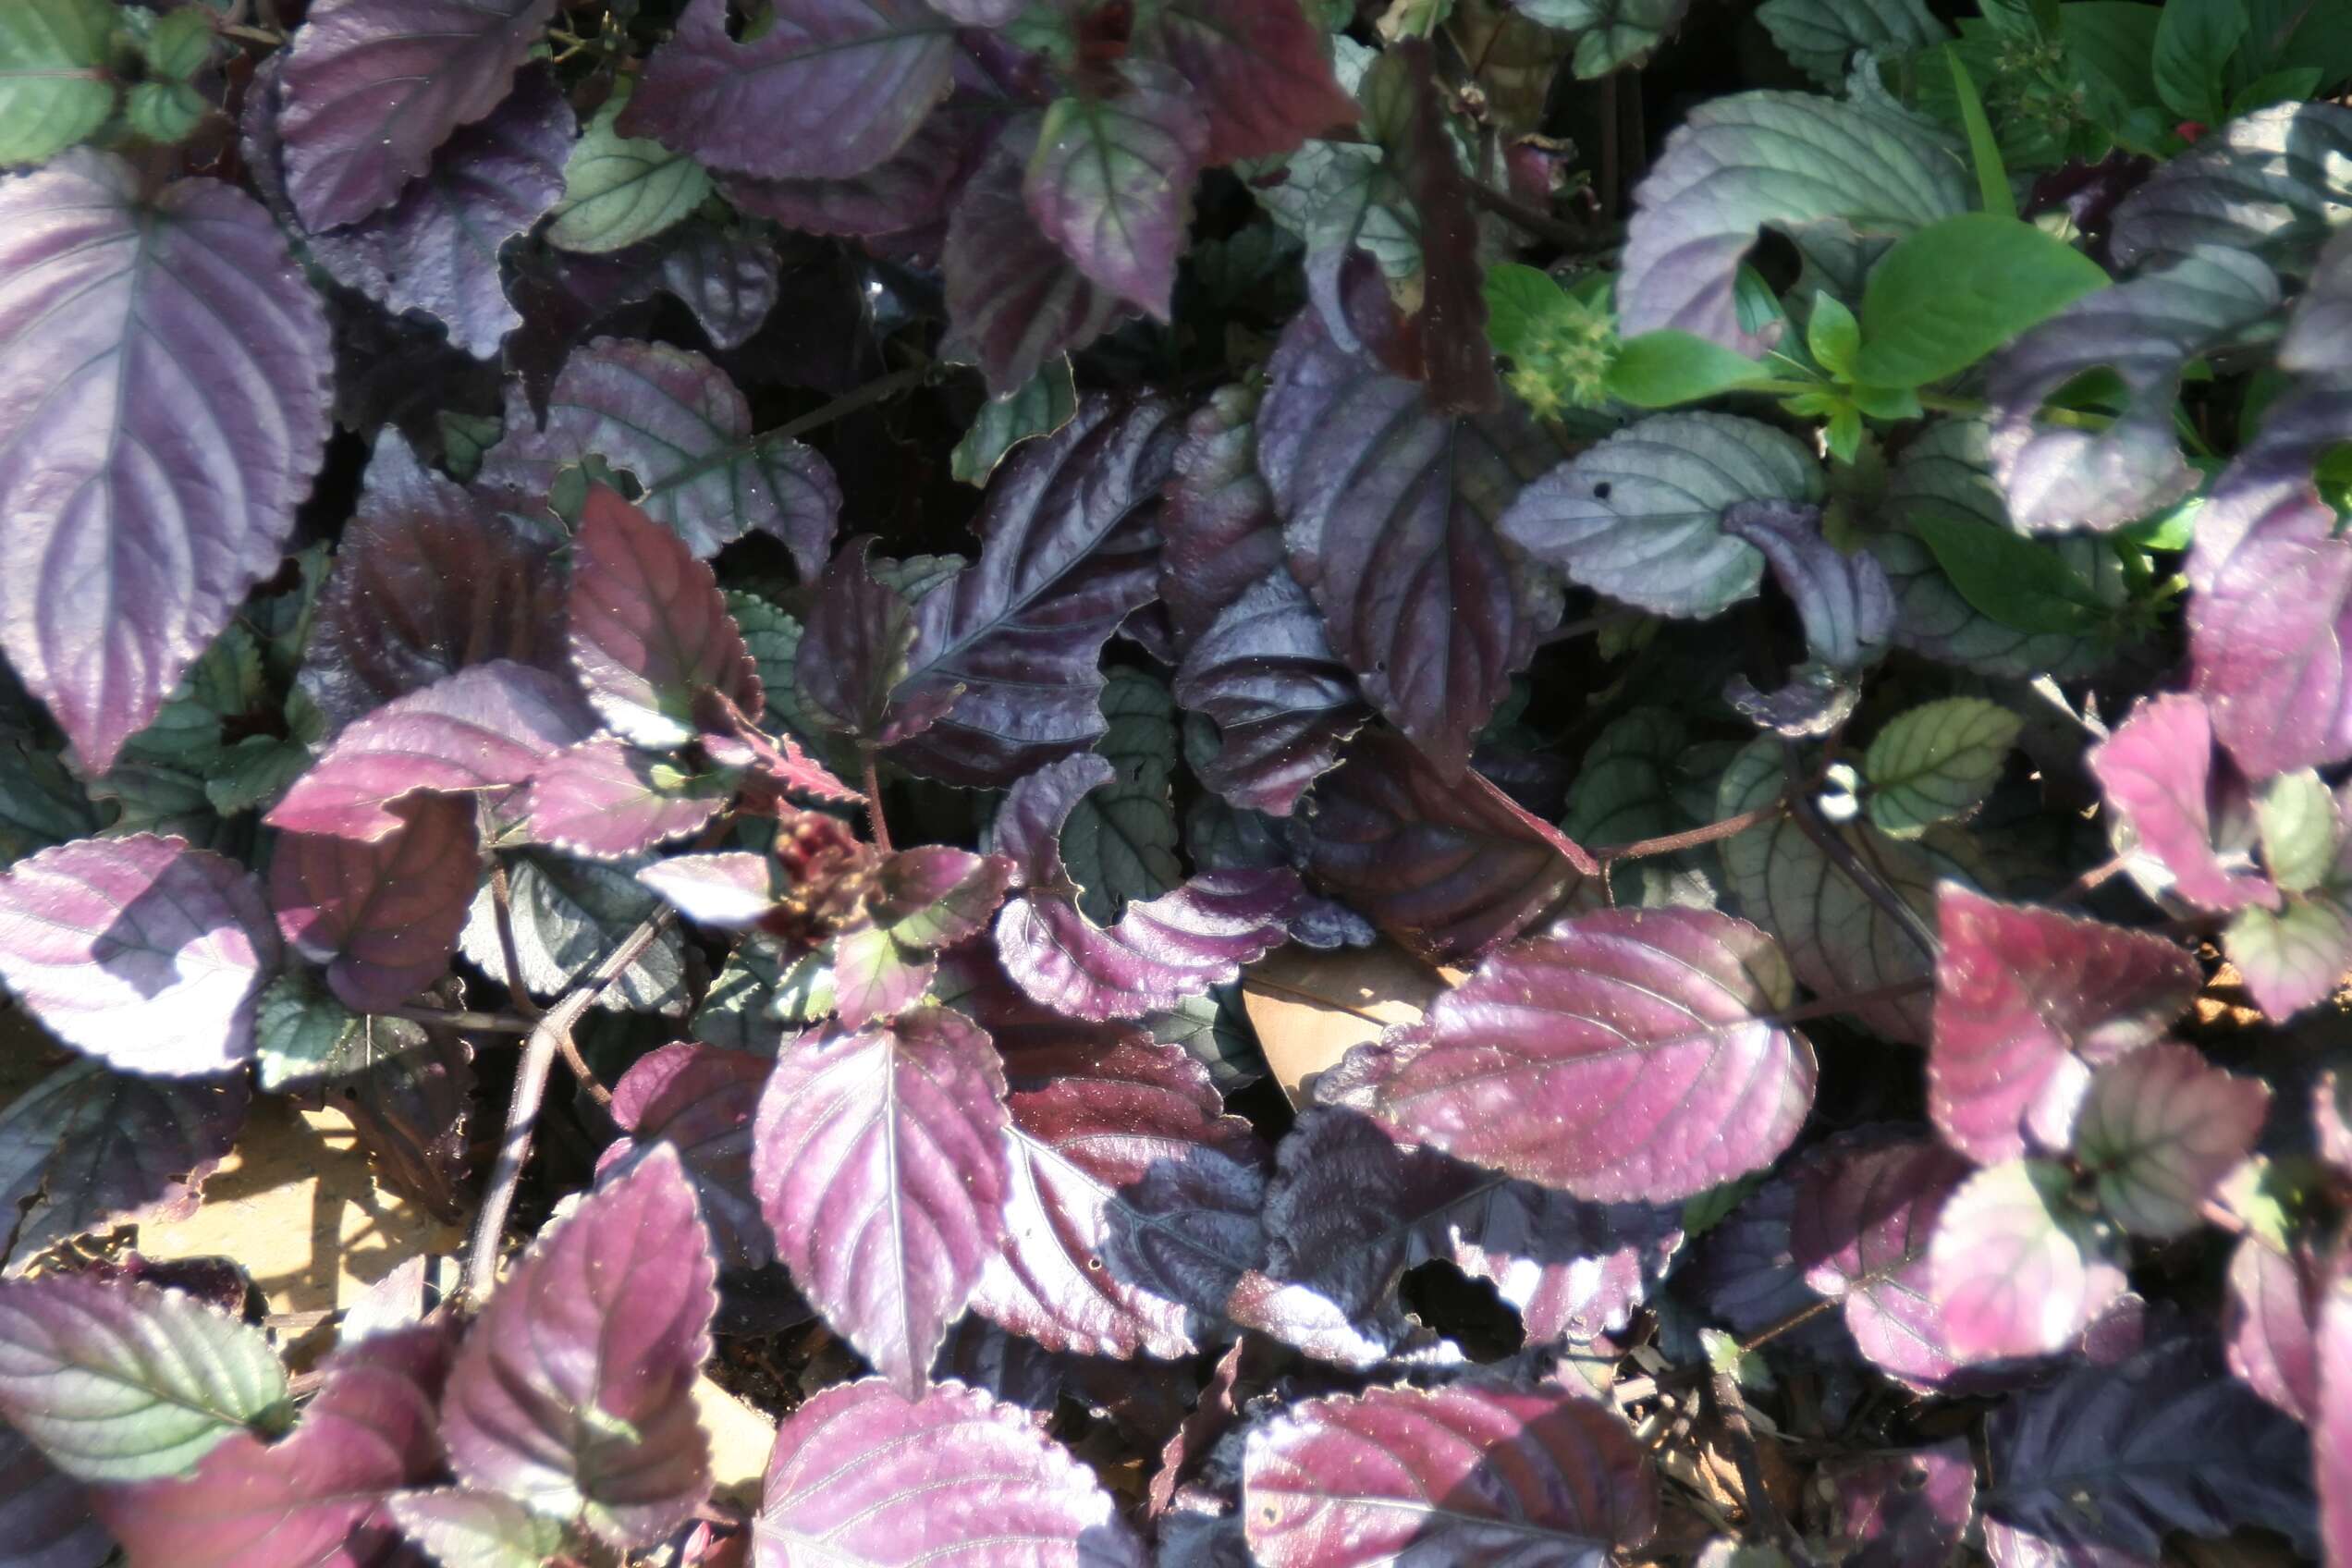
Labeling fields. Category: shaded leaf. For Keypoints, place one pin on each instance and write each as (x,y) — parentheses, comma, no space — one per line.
(569,914)
(1119,841)
(853,656)
(2270,181)
(1406,110)
(2158,1129)
(620,190)
(1936,762)
(169,368)
(570,1393)
(1283,704)
(382,917)
(44,1514)
(1111,180)
(1046,403)
(1220,529)
(1864,1214)
(141,952)
(1904,1509)
(2018,1270)
(1014,300)
(905,195)
(606,801)
(1844,600)
(1612,33)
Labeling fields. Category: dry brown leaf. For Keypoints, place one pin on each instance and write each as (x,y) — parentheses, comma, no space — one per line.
(1309,1009)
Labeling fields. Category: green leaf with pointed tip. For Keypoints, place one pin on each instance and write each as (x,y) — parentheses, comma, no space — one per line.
(1948,295)
(1669,367)
(1936,762)
(1984,150)
(620,190)
(1821,36)
(301,1032)
(1523,303)
(1044,404)
(1120,841)
(1612,32)
(2194,42)
(2021,584)
(54,87)
(735,1010)
(2300,830)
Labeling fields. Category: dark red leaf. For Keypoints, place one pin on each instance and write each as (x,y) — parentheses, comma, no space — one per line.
(380,916)
(699,1099)
(1403,105)
(1219,526)
(1014,300)
(1905,1510)
(45,1516)
(1864,1214)
(1111,181)
(1261,69)
(853,654)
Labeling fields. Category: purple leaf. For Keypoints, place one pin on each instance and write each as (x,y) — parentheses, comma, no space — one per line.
(123,1381)
(1134,1202)
(1014,300)
(1111,181)
(1406,110)
(1623,1054)
(909,190)
(729,889)
(1905,1511)
(1220,532)
(45,1516)
(485,728)
(675,420)
(168,367)
(853,654)
(2146,330)
(828,88)
(140,951)
(426,582)
(860,1474)
(920,900)
(2157,773)
(1844,600)
(777,763)
(1740,164)
(2017,1269)
(86,1149)
(1284,705)
(606,801)
(2270,1323)
(2027,1002)
(1160,952)
(1261,71)
(1744,1272)
(700,1100)
(1864,1216)
(380,916)
(879,1159)
(1451,870)
(2269,180)
(2099,1466)
(650,630)
(2332,1425)
(305,1502)
(2158,1132)
(1454,1474)
(1068,550)
(571,1394)
(1391,513)
(729,278)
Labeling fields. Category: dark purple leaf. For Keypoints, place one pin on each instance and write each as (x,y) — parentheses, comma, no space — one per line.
(1744,1272)
(860,1474)
(123,1381)
(2157,773)
(1623,1054)
(571,1394)
(2027,1002)
(1844,600)
(1068,550)
(426,582)
(1134,1202)
(2146,330)
(1111,181)
(730,279)
(909,190)
(1284,705)
(650,630)
(827,88)
(409,1098)
(1260,70)
(141,952)
(1864,1214)
(306,1500)
(1219,526)
(1391,511)
(1458,1475)
(729,889)
(485,728)
(1825,173)
(853,656)
(1405,109)
(1451,870)
(2016,1269)
(2269,1325)
(700,1100)
(675,420)
(86,1149)
(372,87)
(879,1159)
(45,1516)
(1905,1511)
(1160,952)
(606,801)
(166,367)
(2158,1132)
(1014,300)
(2099,1466)
(2271,180)
(380,916)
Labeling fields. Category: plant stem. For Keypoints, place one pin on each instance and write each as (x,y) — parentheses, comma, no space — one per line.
(1840,854)
(1823,1006)
(873,800)
(880,389)
(1634,1389)
(1667,844)
(254,35)
(547,1038)
(502,909)
(1520,216)
(443,1018)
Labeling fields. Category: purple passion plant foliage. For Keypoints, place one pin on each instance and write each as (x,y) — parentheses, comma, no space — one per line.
(864,571)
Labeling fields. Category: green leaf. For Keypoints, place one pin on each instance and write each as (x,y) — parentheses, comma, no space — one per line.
(2112,44)
(735,1010)
(620,190)
(1984,151)
(1661,369)
(1211,1030)
(2289,86)
(568,914)
(2194,42)
(1120,841)
(2300,831)
(1044,405)
(39,803)
(1936,762)
(1821,36)
(2021,584)
(179,45)
(254,772)
(54,87)
(1523,304)
(1950,294)
(1612,32)
(1832,335)
(166,113)
(302,1032)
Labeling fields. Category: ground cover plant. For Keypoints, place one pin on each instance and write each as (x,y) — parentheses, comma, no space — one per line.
(1539,782)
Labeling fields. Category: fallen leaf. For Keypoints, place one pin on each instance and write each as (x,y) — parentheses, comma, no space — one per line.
(1309,1009)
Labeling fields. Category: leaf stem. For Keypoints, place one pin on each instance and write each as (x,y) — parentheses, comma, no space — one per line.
(254,35)
(1840,854)
(1849,1001)
(1667,844)
(509,953)
(880,389)
(1528,220)
(873,783)
(445,1018)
